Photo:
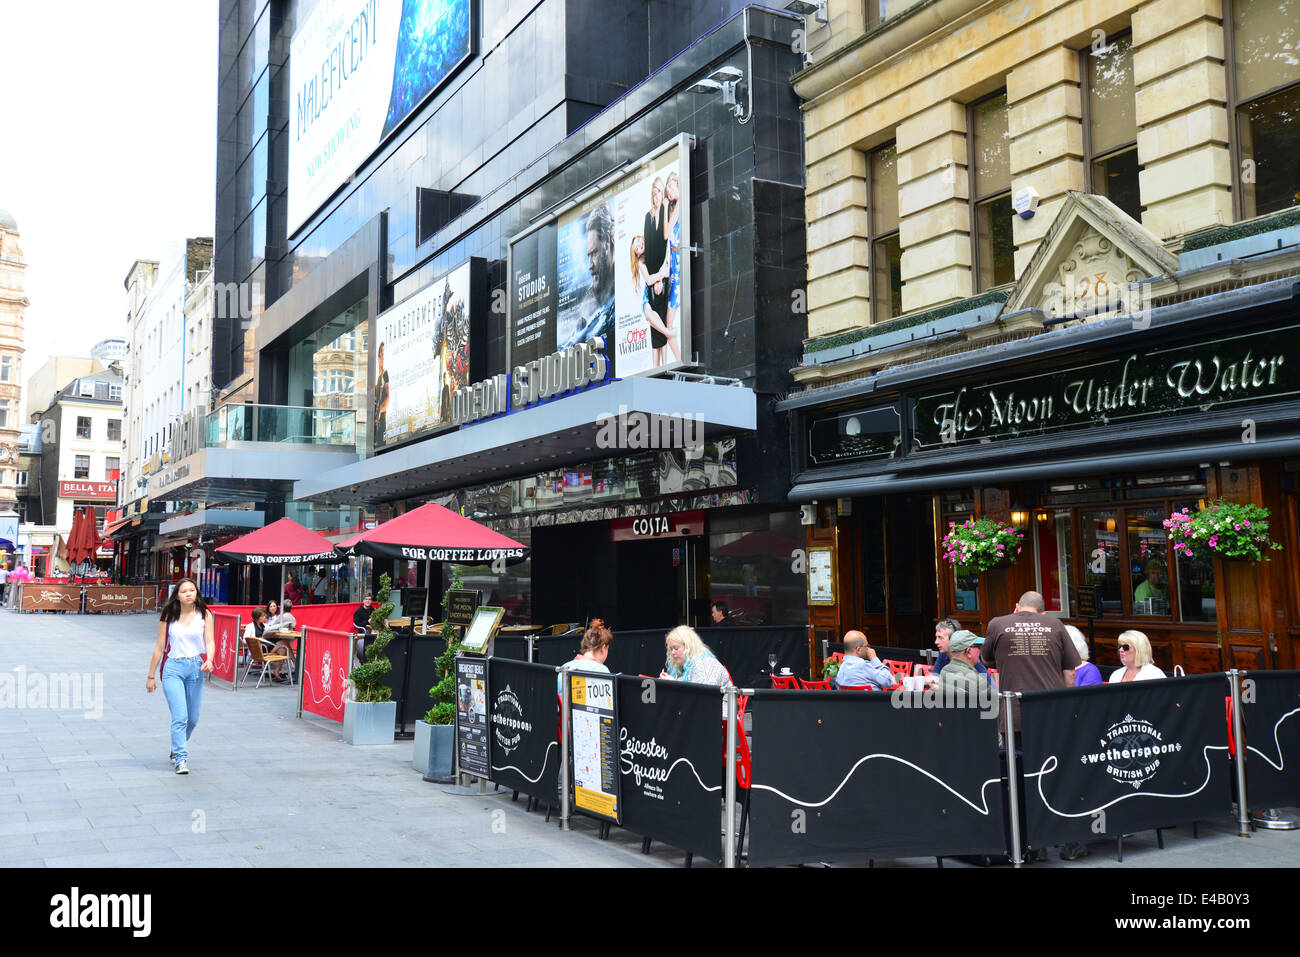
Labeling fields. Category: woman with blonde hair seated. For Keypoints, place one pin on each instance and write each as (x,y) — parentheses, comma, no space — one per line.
(690,659)
(1135,656)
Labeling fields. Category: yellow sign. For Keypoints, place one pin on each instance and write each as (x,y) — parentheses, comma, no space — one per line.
(595,802)
(578,689)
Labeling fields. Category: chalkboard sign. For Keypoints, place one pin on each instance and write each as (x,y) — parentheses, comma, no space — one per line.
(471,716)
(461,603)
(594,745)
(1086,604)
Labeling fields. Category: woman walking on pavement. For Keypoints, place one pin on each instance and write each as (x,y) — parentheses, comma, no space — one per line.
(185,632)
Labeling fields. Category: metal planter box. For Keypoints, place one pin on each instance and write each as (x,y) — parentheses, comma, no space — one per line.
(369,722)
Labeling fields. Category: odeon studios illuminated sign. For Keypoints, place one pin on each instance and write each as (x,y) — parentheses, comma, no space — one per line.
(550,376)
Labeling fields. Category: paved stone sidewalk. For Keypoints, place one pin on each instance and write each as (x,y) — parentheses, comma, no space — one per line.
(267,789)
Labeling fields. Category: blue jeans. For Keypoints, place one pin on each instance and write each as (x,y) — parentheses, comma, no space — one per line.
(182,682)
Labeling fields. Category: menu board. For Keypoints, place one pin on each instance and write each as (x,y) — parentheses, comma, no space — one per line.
(594,746)
(482,628)
(461,603)
(821,576)
(471,716)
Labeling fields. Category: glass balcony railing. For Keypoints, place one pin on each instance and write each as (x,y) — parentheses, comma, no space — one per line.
(282,424)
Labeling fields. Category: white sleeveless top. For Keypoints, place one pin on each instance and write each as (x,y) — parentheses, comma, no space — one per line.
(186,641)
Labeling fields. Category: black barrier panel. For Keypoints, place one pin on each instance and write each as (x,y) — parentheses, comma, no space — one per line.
(1270,703)
(671,739)
(514,647)
(1115,759)
(743,651)
(848,775)
(556,651)
(523,745)
(420,655)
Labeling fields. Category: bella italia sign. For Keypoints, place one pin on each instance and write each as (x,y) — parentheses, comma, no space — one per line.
(1254,367)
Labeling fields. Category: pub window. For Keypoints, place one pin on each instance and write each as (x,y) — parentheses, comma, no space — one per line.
(1265,92)
(81,467)
(990,165)
(955,508)
(886,251)
(83,426)
(1110,125)
(1101,554)
(1148,560)
(1195,582)
(1054,559)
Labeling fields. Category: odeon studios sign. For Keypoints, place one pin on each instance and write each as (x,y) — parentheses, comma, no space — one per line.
(550,376)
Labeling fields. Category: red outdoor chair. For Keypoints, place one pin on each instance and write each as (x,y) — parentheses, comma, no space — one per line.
(899,669)
(814,685)
(922,671)
(784,683)
(856,688)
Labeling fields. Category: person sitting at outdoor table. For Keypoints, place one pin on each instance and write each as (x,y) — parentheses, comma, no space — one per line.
(272,610)
(943,633)
(594,650)
(959,673)
(861,666)
(720,614)
(689,659)
(1135,657)
(361,624)
(284,622)
(1087,673)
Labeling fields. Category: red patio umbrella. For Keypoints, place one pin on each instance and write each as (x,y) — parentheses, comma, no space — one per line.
(83,540)
(282,543)
(432,533)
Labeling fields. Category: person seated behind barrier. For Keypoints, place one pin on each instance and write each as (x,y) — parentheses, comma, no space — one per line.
(959,673)
(1135,657)
(943,633)
(1087,673)
(281,623)
(689,659)
(861,666)
(594,650)
(257,626)
(720,614)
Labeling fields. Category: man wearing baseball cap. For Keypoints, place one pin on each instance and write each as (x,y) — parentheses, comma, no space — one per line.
(959,672)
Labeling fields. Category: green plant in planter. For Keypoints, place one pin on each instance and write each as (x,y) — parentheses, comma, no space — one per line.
(830,668)
(1224,530)
(444,692)
(979,544)
(369,677)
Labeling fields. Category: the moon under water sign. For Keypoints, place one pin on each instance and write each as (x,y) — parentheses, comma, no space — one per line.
(325,662)
(508,722)
(1131,750)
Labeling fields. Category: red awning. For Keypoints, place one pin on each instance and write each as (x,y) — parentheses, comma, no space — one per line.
(436,534)
(281,543)
(117,526)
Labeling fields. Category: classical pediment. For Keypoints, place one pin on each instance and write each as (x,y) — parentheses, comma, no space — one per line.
(1093,261)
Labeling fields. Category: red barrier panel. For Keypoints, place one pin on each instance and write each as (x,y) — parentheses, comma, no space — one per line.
(225,639)
(326,661)
(333,617)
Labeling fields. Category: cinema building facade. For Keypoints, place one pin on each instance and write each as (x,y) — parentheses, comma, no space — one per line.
(567,295)
(1126,350)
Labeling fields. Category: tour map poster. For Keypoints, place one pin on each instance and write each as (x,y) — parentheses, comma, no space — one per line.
(594,746)
(471,716)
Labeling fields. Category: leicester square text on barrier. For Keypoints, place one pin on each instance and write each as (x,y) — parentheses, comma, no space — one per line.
(1271,711)
(846,776)
(1112,760)
(226,641)
(326,658)
(523,738)
(670,750)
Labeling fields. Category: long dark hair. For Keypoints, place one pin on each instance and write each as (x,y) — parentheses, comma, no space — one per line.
(172,610)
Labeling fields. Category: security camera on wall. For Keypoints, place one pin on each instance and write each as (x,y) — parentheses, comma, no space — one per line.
(808,514)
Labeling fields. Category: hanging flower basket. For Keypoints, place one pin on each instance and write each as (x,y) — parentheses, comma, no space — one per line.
(1223,530)
(981,544)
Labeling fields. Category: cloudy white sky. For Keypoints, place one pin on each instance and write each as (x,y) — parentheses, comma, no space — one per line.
(107,152)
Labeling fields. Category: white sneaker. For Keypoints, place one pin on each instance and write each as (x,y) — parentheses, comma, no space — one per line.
(182,768)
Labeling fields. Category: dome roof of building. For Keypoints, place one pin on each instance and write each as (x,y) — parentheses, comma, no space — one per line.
(7,220)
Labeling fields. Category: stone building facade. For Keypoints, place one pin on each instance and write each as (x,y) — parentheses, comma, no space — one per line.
(13,303)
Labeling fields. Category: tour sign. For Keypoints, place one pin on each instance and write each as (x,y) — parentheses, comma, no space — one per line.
(675,525)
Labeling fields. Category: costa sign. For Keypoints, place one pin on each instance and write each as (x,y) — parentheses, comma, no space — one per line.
(642,527)
(107,491)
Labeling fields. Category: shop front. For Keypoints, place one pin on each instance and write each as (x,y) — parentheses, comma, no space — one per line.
(1085,441)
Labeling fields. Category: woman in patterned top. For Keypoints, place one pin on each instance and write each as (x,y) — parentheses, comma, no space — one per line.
(689,659)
